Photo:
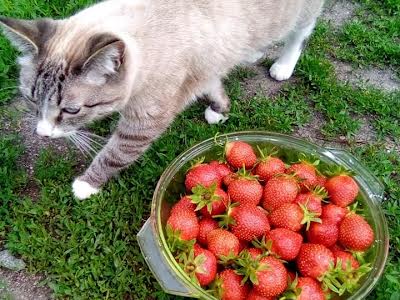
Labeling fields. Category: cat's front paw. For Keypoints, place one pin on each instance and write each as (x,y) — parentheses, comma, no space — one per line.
(83,190)
(213,117)
(281,71)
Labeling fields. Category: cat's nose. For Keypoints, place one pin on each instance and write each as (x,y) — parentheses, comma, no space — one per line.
(44,128)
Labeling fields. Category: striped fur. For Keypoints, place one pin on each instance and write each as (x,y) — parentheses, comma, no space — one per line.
(147,60)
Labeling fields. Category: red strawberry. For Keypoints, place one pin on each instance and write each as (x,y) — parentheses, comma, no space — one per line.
(272,280)
(255,296)
(333,213)
(246,191)
(239,154)
(310,289)
(222,243)
(202,174)
(325,233)
(346,258)
(355,233)
(285,243)
(184,223)
(228,179)
(312,200)
(291,216)
(221,168)
(184,204)
(205,266)
(306,173)
(249,223)
(278,191)
(229,286)
(206,225)
(254,252)
(243,245)
(336,247)
(269,167)
(210,201)
(314,260)
(321,180)
(342,190)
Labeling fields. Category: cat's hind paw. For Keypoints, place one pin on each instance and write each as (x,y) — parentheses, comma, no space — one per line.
(213,117)
(83,190)
(281,71)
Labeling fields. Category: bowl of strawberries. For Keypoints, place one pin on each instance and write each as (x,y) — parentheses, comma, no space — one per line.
(260,215)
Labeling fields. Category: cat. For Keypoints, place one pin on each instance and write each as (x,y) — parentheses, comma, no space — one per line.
(147,60)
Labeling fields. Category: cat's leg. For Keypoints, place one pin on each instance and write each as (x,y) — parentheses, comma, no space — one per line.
(127,144)
(283,68)
(219,102)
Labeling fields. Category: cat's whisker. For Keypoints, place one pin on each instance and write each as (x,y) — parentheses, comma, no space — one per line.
(86,145)
(90,141)
(77,145)
(91,134)
(89,138)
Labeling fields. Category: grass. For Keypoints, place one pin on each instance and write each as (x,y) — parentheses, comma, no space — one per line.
(88,250)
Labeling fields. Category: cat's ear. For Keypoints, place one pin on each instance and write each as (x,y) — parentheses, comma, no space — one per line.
(28,36)
(105,57)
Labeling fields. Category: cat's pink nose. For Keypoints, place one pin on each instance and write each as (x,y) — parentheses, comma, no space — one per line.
(44,128)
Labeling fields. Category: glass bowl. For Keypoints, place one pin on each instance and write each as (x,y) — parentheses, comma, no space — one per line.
(152,237)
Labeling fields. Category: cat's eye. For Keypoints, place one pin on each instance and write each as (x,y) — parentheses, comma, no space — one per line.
(71,110)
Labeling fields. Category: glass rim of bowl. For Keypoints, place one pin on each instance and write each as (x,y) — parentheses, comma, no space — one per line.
(374,197)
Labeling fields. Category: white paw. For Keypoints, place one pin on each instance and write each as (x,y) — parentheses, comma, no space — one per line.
(83,190)
(213,117)
(281,71)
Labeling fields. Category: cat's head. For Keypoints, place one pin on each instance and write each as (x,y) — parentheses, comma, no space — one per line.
(68,78)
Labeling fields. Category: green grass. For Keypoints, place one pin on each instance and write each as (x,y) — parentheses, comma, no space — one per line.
(88,250)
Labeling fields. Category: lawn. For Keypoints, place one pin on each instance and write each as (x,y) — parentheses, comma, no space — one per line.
(88,249)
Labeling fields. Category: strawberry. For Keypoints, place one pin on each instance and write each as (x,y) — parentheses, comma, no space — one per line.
(291,216)
(221,168)
(272,279)
(306,172)
(285,243)
(246,190)
(184,223)
(325,233)
(310,201)
(333,213)
(346,258)
(206,225)
(222,243)
(268,167)
(228,179)
(243,245)
(249,223)
(210,201)
(336,247)
(185,203)
(203,174)
(255,296)
(205,266)
(321,180)
(229,286)
(239,154)
(254,252)
(342,190)
(278,191)
(355,233)
(314,260)
(310,289)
